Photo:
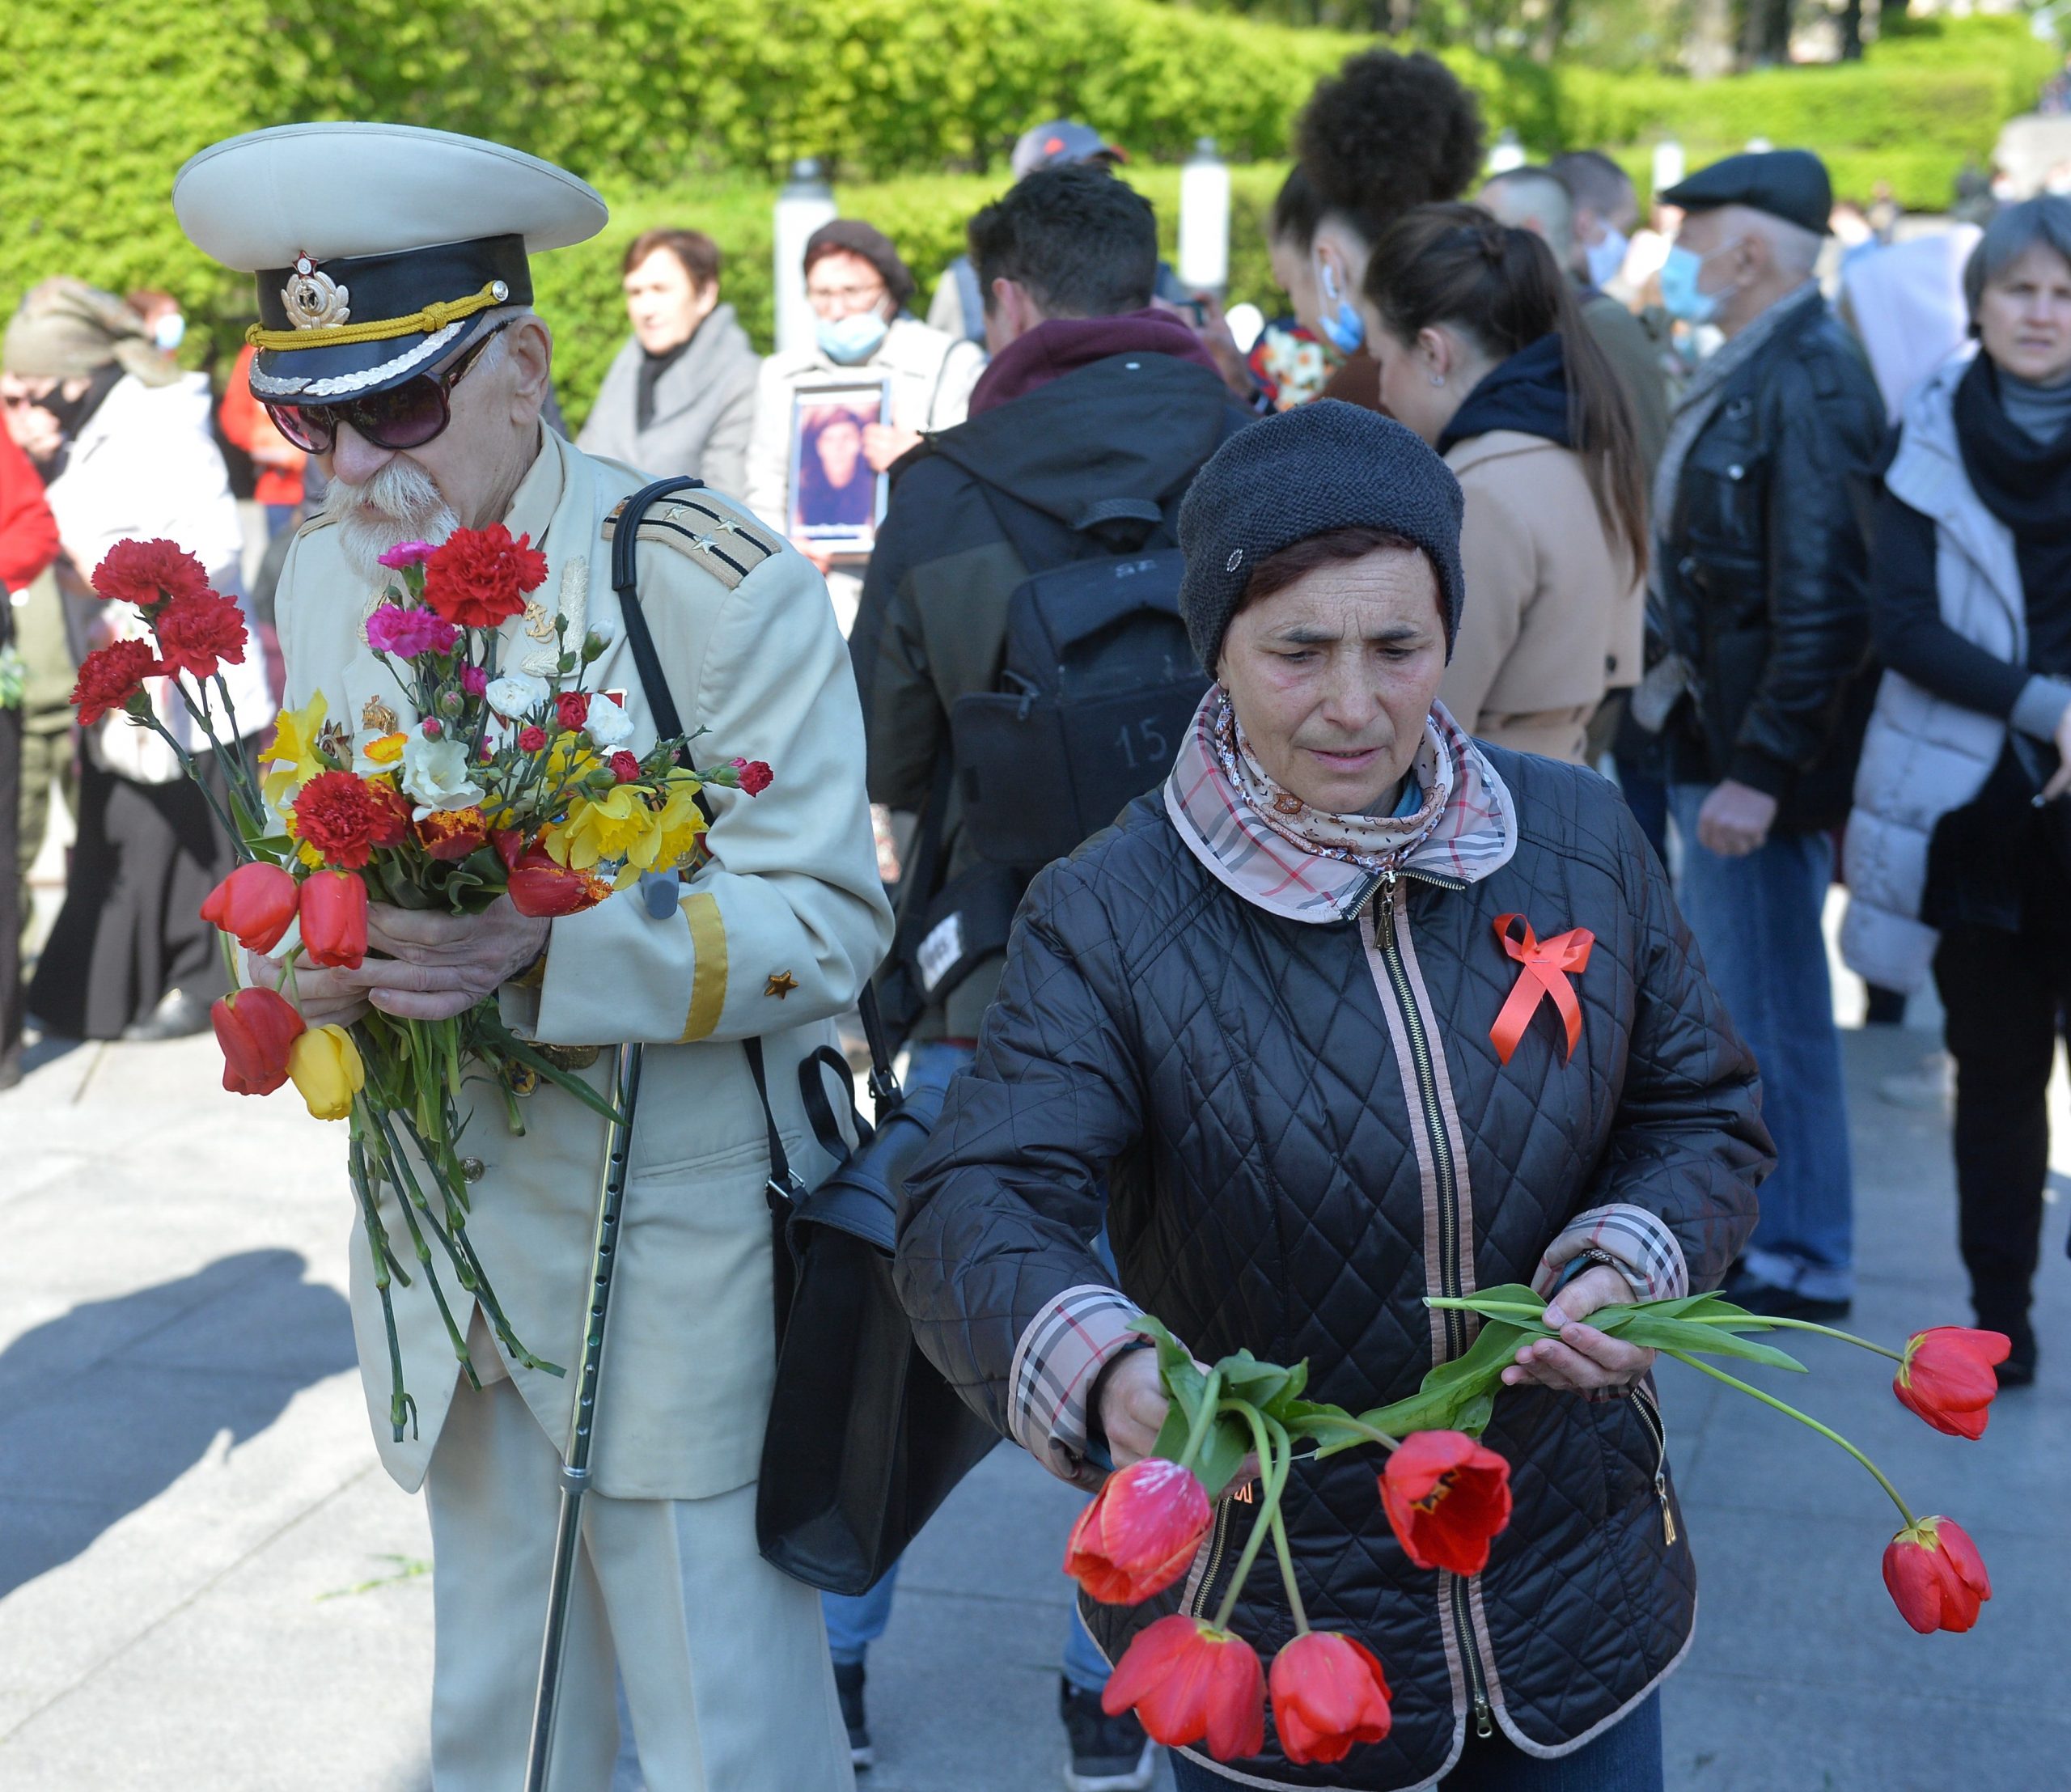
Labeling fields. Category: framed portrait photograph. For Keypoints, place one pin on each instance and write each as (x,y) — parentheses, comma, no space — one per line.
(836,500)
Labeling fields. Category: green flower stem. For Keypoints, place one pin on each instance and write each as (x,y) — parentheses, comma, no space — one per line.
(398,1173)
(1473,1303)
(1279,1527)
(1783,1406)
(1765,1320)
(402,1410)
(1204,1419)
(1274,1469)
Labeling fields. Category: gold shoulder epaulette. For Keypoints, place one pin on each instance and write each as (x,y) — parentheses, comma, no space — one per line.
(705,528)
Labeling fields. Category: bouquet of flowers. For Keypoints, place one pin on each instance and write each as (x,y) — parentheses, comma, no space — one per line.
(509,784)
(1445,1496)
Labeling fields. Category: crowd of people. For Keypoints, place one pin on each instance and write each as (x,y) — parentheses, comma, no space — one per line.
(1542,544)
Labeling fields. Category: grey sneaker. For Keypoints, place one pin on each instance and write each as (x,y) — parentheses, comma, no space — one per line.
(849,1687)
(1107,1754)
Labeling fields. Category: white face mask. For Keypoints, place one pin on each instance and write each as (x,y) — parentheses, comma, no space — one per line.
(1607,257)
(169,331)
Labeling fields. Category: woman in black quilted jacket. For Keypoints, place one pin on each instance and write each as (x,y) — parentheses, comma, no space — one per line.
(1252,1028)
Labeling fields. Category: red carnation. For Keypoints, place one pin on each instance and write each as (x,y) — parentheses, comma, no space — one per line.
(624,767)
(572,708)
(109,676)
(531,737)
(755,777)
(479,578)
(200,631)
(345,818)
(144,573)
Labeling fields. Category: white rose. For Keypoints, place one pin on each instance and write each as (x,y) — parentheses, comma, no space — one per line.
(608,723)
(436,773)
(517,695)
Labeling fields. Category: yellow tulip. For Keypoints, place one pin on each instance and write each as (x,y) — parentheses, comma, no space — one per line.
(326,1068)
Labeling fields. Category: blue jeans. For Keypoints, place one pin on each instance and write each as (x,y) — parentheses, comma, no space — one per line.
(853,1623)
(1625,1758)
(1757,920)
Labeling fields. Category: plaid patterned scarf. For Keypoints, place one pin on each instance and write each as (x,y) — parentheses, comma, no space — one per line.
(1273,849)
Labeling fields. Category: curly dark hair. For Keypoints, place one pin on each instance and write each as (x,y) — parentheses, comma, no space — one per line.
(1387,133)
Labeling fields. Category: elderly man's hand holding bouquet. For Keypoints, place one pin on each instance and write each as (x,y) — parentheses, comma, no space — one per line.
(386,890)
(1222,1428)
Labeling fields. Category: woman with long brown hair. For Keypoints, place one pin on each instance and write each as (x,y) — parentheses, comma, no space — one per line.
(1483,353)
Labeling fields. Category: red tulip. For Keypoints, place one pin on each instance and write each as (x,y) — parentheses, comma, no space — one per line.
(1445,1497)
(1946,1377)
(1186,1679)
(255,903)
(1139,1532)
(546,890)
(255,1028)
(1935,1576)
(1328,1693)
(334,919)
(451,835)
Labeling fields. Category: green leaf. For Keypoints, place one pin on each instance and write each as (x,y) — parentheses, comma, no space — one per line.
(1650,1332)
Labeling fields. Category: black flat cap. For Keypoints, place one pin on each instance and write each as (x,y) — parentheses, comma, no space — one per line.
(1791,184)
(1323,466)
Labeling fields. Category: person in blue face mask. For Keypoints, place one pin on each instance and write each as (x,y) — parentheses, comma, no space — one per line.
(1761,688)
(858,288)
(1383,134)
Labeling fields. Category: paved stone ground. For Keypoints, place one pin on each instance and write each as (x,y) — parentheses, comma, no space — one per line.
(205,1579)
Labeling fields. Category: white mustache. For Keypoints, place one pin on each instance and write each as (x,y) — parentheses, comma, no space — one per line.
(401,502)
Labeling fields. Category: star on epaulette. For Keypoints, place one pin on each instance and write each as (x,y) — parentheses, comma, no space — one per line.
(709,543)
(729,526)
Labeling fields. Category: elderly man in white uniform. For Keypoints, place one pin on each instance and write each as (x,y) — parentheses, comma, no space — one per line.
(397,341)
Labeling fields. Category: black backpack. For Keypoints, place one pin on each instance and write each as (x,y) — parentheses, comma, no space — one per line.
(1099,683)
(1097,687)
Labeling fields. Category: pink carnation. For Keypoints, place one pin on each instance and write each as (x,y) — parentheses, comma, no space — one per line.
(406,553)
(409,633)
(474,680)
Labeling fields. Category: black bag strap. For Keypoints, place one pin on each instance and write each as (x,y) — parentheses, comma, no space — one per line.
(668,721)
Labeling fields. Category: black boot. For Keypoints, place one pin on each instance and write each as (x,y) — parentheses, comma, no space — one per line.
(849,1687)
(1107,1754)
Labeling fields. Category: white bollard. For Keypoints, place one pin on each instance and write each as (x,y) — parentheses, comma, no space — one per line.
(1204,220)
(806,203)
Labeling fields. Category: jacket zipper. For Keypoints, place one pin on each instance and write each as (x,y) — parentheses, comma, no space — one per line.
(1214,1556)
(1449,1224)
(1650,1413)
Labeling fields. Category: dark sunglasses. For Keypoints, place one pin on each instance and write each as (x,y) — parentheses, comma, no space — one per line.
(407,416)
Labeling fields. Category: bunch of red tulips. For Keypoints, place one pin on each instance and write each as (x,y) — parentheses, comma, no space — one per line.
(1192,1680)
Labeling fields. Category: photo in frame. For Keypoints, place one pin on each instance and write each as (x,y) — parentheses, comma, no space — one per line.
(836,500)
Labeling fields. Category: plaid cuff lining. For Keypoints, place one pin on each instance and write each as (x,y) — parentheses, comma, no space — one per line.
(1055,1364)
(1640,1242)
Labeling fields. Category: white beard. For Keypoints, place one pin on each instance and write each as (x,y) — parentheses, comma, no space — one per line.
(400,503)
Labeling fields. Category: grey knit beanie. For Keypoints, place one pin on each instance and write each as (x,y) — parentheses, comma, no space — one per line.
(1320,467)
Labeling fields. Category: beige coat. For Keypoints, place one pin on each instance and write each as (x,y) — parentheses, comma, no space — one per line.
(1554,610)
(771,937)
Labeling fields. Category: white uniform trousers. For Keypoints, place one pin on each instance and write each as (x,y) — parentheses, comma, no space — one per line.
(724,1659)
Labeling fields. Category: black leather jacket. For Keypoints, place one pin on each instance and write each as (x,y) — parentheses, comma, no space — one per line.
(1764,573)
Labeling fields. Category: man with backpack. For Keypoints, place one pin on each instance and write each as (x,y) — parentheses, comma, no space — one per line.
(1022,666)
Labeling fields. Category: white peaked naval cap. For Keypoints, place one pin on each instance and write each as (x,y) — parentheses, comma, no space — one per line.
(378,248)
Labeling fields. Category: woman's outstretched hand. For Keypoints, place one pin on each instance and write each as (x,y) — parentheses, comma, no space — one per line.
(1582,1360)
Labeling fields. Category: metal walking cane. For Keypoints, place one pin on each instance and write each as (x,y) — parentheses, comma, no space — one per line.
(581,1431)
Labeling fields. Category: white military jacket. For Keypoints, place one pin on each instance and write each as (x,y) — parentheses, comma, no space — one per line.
(776,934)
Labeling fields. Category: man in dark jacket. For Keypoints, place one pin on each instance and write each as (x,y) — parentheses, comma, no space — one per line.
(1759,506)
(1092,399)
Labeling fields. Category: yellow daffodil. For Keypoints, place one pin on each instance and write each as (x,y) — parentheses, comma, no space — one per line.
(326,1067)
(386,751)
(681,824)
(292,752)
(618,824)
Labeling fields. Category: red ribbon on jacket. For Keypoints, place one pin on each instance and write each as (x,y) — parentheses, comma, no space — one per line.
(1543,968)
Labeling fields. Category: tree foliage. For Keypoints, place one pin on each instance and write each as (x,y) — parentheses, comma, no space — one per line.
(686,111)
